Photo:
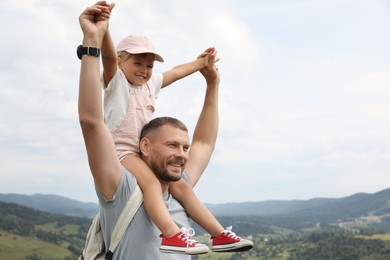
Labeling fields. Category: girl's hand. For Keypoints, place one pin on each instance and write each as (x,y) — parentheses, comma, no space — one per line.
(206,56)
(94,20)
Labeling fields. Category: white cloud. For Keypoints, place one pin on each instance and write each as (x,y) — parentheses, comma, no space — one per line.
(303,98)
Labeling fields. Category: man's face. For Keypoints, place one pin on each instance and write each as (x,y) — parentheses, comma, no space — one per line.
(169,153)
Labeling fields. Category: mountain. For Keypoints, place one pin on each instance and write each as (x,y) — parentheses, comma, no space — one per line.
(323,208)
(317,209)
(361,204)
(26,233)
(53,203)
(264,208)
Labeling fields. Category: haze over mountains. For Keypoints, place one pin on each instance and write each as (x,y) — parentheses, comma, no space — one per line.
(360,204)
(53,204)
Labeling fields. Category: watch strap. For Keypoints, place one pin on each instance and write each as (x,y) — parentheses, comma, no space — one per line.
(90,51)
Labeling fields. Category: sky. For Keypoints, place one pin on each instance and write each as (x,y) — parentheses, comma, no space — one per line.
(304,94)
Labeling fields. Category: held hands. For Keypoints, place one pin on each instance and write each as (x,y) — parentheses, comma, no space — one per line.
(94,21)
(210,71)
(204,57)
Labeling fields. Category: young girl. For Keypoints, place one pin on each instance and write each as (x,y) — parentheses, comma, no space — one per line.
(130,90)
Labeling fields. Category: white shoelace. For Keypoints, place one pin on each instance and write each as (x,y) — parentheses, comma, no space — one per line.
(228,231)
(188,233)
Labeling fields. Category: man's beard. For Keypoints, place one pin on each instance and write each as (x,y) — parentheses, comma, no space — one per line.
(162,173)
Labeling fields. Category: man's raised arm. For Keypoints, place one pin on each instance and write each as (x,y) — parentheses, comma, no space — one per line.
(206,130)
(102,158)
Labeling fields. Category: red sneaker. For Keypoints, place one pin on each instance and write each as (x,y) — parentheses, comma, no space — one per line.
(182,243)
(228,241)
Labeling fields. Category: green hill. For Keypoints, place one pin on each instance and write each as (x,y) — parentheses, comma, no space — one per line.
(26,233)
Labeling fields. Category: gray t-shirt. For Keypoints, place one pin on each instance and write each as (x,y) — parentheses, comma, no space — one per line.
(141,240)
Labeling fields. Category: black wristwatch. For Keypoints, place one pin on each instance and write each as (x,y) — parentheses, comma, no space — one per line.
(91,51)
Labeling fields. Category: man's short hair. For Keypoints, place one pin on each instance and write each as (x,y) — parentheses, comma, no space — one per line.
(158,122)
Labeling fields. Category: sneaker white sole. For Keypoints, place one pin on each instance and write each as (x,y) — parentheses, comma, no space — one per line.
(243,245)
(184,250)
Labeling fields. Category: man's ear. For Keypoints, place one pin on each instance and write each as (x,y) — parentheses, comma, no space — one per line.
(144,146)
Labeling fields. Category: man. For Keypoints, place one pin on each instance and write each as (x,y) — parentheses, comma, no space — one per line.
(165,146)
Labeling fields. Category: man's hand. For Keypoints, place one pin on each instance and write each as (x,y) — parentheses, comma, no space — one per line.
(205,57)
(94,21)
(210,72)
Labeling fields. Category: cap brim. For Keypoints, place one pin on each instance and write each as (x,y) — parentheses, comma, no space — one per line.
(158,57)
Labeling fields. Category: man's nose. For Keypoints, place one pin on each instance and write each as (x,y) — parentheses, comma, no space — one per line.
(181,153)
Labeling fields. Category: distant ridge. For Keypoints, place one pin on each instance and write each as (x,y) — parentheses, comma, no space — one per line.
(319,209)
(53,203)
(351,206)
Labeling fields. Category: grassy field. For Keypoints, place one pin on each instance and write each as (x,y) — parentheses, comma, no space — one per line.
(226,256)
(52,227)
(376,236)
(17,247)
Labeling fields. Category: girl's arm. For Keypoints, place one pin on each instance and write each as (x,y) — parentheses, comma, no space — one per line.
(186,69)
(109,58)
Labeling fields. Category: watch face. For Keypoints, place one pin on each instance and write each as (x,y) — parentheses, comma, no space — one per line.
(92,51)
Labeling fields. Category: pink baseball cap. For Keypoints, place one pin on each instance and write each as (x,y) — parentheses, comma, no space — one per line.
(136,44)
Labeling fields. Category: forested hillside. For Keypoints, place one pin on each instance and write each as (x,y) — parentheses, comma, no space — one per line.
(354,227)
(18,223)
(29,234)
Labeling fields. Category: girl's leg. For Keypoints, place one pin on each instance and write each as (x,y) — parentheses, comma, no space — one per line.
(222,240)
(151,188)
(184,193)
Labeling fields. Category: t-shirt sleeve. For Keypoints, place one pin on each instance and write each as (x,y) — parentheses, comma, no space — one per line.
(155,84)
(125,187)
(116,101)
